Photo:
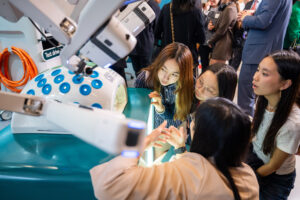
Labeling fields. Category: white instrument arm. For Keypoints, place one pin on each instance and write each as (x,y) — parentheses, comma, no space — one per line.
(107,130)
(99,35)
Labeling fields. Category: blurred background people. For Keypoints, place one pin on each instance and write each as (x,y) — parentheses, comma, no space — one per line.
(212,14)
(292,36)
(221,41)
(266,29)
(188,25)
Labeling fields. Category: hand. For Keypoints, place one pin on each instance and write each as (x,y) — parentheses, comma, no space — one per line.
(239,16)
(246,13)
(157,101)
(161,141)
(154,135)
(206,6)
(176,137)
(210,26)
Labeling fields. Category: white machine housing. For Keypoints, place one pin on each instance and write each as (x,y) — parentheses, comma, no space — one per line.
(136,16)
(109,93)
(98,31)
(107,130)
(110,131)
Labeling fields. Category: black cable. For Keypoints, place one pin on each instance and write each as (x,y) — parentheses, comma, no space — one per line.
(42,33)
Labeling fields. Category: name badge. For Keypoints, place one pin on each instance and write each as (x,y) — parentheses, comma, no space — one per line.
(217,15)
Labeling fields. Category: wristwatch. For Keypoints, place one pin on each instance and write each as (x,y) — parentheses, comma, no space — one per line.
(5,115)
(180,150)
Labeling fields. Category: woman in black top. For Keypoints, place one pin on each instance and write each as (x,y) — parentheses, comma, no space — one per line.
(188,22)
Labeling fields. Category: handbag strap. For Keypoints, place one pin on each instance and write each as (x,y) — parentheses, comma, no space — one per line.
(293,44)
(172,24)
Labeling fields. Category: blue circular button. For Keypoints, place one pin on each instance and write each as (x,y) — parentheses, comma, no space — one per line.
(31,92)
(97,84)
(47,89)
(55,72)
(64,87)
(77,79)
(58,79)
(39,77)
(94,74)
(97,105)
(42,82)
(85,90)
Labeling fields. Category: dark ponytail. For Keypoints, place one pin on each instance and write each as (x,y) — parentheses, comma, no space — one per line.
(226,173)
(222,132)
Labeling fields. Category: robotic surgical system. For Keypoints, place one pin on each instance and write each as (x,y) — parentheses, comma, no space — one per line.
(96,30)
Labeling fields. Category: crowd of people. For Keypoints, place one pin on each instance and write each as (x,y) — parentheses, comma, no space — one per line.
(207,146)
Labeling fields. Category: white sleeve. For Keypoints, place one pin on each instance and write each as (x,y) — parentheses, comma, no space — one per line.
(288,138)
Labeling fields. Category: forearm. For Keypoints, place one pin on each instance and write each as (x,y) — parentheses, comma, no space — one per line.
(110,179)
(267,11)
(274,164)
(265,170)
(256,22)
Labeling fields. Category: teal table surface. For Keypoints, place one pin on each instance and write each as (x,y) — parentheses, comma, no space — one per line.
(55,166)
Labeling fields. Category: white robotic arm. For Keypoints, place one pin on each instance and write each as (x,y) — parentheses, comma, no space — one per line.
(46,13)
(98,35)
(107,130)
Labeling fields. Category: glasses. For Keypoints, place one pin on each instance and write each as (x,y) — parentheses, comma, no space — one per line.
(207,90)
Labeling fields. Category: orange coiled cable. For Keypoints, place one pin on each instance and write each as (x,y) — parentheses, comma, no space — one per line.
(29,67)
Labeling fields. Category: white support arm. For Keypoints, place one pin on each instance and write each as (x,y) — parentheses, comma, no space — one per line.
(107,130)
(49,16)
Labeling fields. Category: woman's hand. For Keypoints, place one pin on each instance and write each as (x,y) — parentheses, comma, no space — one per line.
(154,135)
(157,101)
(175,137)
(210,26)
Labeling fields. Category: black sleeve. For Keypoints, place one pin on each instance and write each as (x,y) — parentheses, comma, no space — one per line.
(200,26)
(159,26)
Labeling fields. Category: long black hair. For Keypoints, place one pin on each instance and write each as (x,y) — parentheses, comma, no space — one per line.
(288,63)
(227,79)
(222,132)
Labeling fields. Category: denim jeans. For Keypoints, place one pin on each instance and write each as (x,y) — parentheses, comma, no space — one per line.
(276,186)
(273,186)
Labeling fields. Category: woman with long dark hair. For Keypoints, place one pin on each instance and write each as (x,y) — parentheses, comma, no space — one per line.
(171,78)
(219,80)
(276,124)
(212,170)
